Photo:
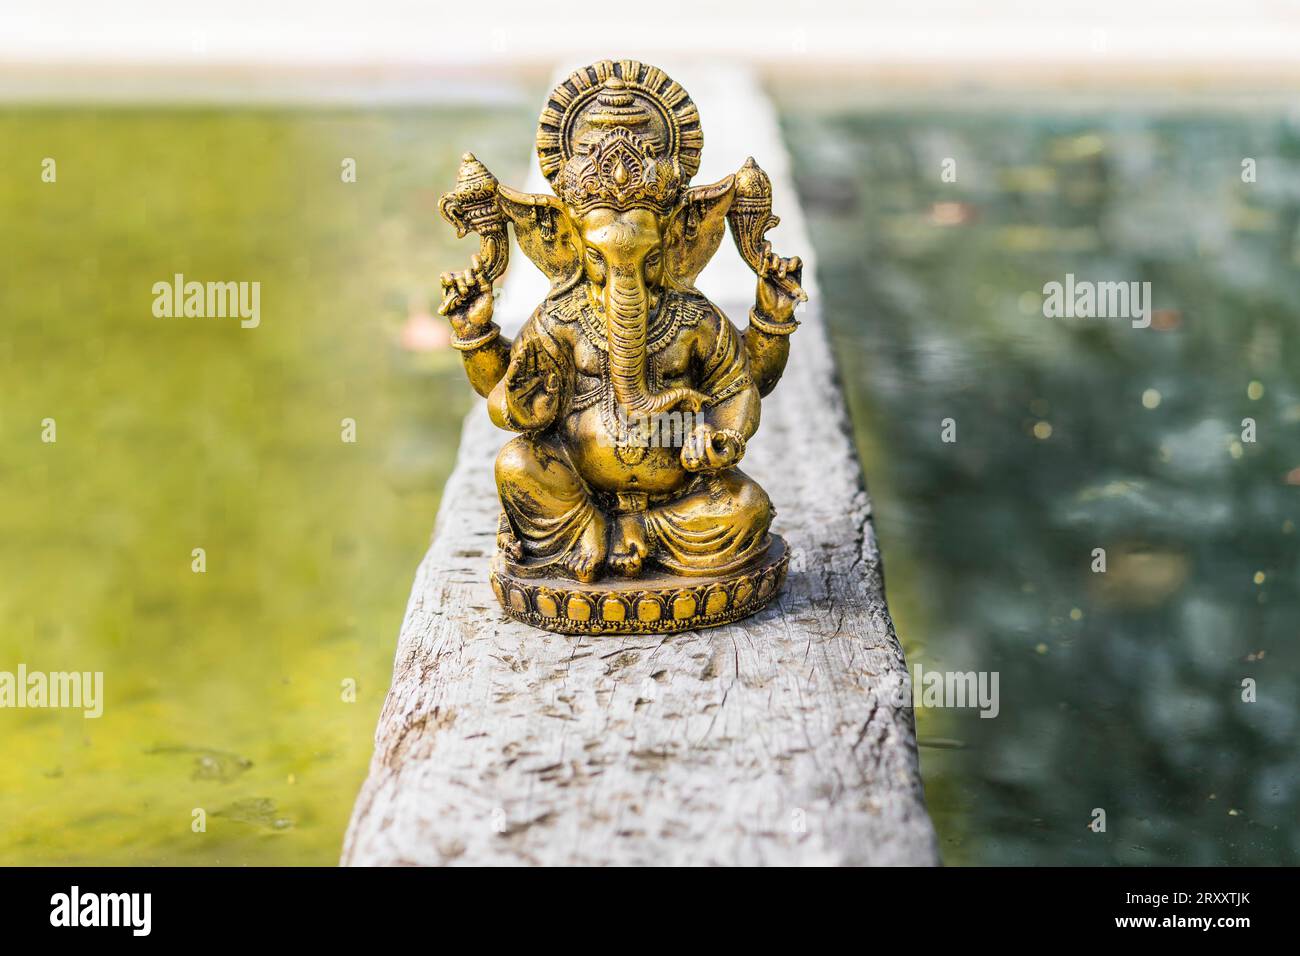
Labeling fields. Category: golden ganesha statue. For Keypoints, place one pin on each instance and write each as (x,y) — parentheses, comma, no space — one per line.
(623,509)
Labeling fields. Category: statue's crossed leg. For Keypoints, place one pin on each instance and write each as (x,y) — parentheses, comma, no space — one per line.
(719,524)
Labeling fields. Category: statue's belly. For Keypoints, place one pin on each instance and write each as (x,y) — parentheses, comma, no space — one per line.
(594,451)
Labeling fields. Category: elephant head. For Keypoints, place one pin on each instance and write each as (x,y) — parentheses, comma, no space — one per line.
(627,252)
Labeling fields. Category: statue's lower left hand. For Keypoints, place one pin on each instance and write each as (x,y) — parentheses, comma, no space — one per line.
(712,449)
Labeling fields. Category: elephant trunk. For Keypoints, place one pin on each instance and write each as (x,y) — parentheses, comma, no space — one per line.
(627,310)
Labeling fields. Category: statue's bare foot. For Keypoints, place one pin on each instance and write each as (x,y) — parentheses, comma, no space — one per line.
(588,554)
(630,547)
(507,542)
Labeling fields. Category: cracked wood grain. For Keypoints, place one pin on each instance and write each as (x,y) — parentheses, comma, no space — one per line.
(775,740)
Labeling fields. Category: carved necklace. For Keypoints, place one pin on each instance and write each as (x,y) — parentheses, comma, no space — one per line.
(673,312)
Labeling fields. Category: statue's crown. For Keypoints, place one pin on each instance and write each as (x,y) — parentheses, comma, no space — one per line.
(621,134)
(622,171)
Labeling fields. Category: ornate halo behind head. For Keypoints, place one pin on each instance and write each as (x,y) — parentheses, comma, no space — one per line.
(619,93)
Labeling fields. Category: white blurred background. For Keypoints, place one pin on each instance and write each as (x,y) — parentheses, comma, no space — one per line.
(395,48)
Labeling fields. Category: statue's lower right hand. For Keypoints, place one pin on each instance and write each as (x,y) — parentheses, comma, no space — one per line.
(532,387)
(467,300)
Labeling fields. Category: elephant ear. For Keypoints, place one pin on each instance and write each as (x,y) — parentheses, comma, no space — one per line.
(695,229)
(546,234)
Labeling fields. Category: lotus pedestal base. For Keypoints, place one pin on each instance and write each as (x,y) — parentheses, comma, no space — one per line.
(654,603)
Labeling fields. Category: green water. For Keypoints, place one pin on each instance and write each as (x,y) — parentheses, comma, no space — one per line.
(1119,690)
(225,690)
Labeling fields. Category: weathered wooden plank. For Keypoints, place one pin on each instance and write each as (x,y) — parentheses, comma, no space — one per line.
(776,740)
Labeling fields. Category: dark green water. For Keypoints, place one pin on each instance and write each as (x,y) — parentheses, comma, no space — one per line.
(1119,690)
